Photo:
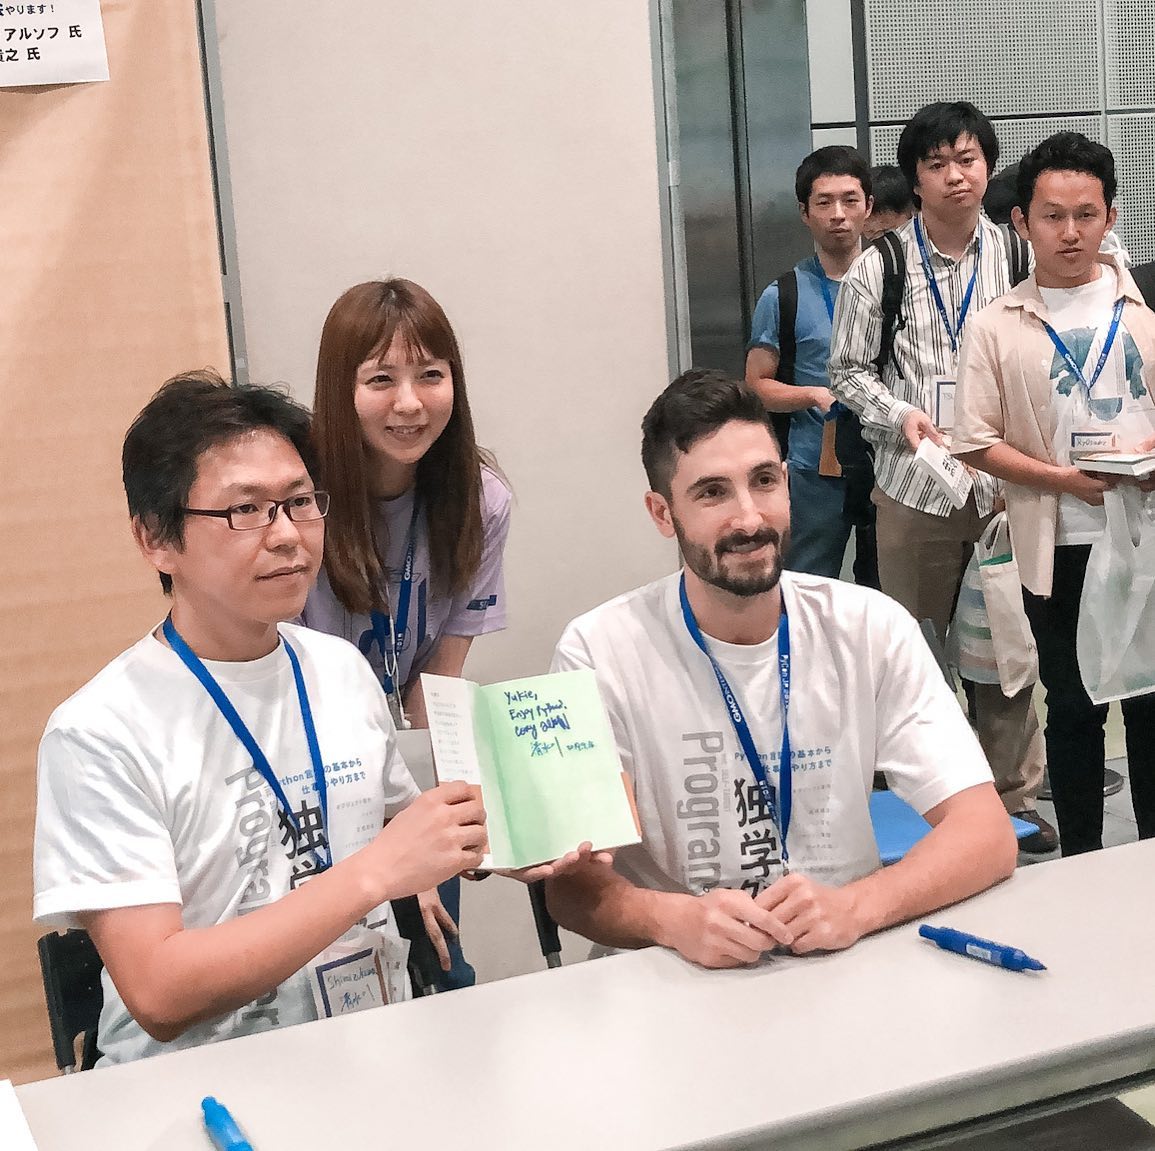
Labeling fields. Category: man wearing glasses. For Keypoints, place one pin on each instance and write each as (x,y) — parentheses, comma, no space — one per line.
(212,806)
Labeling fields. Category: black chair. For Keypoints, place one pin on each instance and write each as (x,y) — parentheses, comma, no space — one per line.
(71,967)
(546,925)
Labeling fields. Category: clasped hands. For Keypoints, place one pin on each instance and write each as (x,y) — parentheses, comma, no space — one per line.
(728,928)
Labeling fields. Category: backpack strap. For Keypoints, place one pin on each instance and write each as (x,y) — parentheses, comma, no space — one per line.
(1018,255)
(787,321)
(893,286)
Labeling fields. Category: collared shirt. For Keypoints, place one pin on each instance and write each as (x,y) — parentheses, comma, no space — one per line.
(922,349)
(1005,395)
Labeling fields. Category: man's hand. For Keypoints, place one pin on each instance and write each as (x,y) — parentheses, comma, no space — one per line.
(1086,486)
(918,426)
(722,928)
(824,399)
(437,922)
(819,918)
(1147,484)
(439,835)
(584,854)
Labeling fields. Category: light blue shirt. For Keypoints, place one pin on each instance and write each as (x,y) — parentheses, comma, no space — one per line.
(812,339)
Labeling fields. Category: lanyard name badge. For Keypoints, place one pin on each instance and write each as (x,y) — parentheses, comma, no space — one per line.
(389,633)
(824,283)
(260,761)
(1073,365)
(778,807)
(953,332)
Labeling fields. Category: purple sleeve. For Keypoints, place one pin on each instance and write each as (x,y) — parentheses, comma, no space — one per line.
(481,608)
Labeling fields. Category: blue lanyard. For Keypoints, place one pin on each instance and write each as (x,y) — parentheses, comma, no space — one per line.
(1070,360)
(779,813)
(824,283)
(953,333)
(260,761)
(388,633)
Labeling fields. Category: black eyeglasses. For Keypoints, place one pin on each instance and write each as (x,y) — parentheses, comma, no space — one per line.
(246,517)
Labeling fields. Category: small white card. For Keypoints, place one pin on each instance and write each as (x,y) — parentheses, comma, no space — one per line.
(14,1132)
(949,476)
(944,388)
(343,984)
(1093,441)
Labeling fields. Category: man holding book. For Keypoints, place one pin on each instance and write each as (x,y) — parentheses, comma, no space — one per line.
(212,806)
(1064,361)
(751,709)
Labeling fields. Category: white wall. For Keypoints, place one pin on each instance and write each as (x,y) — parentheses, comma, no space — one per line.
(504,156)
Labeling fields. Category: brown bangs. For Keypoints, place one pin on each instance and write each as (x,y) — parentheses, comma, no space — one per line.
(365,322)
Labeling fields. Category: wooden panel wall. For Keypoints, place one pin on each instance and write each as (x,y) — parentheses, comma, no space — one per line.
(109,283)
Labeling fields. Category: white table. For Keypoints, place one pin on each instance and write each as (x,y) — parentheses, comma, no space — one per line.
(644,1051)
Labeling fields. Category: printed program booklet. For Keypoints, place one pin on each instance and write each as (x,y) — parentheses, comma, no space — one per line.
(1134,464)
(543,754)
(944,471)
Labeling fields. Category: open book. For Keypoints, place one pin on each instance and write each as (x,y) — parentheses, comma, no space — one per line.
(542,752)
(1134,464)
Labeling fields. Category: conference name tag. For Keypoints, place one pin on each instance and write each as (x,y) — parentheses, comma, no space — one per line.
(944,389)
(1093,441)
(359,971)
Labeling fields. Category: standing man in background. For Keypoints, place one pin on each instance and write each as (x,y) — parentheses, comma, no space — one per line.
(790,344)
(954,262)
(1066,352)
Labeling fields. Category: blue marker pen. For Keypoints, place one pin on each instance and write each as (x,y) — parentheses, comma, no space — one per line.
(997,953)
(222,1127)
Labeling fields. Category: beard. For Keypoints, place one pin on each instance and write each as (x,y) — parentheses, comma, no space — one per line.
(716,567)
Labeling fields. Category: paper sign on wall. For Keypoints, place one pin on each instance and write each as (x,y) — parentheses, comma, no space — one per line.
(51,42)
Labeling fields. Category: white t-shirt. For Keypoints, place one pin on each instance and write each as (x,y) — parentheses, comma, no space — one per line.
(866,694)
(1120,401)
(145,795)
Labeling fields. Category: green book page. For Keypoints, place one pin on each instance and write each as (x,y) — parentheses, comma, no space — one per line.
(460,731)
(558,767)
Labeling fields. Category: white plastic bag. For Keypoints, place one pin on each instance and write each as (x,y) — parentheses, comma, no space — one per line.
(968,645)
(1116,636)
(1014,642)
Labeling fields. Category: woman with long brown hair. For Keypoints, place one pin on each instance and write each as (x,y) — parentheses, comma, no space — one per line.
(418,516)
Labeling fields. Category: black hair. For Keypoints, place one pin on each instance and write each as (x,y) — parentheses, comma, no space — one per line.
(939,125)
(1066,152)
(190,414)
(1002,194)
(695,405)
(891,191)
(834,160)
